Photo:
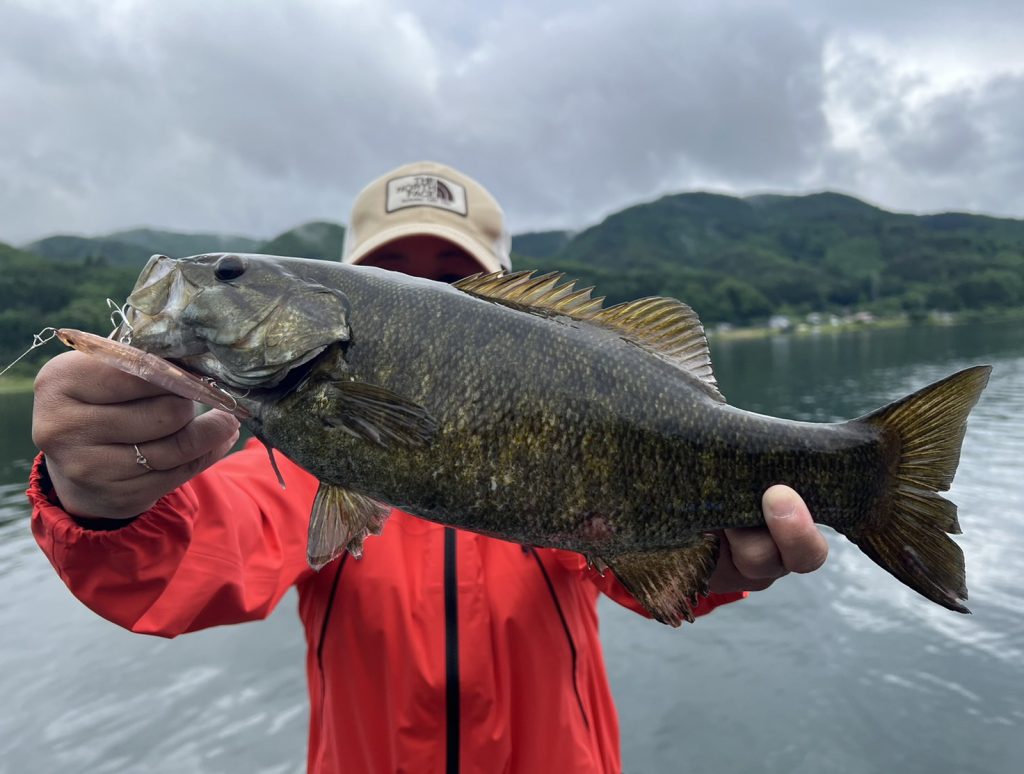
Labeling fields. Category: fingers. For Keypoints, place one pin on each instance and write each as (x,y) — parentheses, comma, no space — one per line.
(145,419)
(751,559)
(198,438)
(87,380)
(728,578)
(79,402)
(177,459)
(755,554)
(107,481)
(88,417)
(800,545)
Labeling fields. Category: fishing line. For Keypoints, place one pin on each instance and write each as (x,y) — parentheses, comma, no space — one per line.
(118,319)
(38,339)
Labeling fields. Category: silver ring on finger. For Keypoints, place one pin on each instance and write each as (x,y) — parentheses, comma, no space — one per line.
(140,458)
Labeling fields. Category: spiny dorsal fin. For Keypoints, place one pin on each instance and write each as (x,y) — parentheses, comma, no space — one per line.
(663,326)
(523,289)
(669,329)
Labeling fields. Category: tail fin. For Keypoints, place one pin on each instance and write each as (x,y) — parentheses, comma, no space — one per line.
(927,428)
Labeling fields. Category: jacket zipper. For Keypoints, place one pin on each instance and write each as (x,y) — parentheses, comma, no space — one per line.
(323,632)
(451,653)
(568,633)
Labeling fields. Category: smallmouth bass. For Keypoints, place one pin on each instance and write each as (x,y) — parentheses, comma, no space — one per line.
(519,407)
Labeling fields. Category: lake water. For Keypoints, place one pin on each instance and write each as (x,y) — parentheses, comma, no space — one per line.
(840,671)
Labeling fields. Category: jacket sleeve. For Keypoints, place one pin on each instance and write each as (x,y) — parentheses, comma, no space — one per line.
(612,588)
(221,549)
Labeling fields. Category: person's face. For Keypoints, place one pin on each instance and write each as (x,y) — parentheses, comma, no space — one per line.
(429,257)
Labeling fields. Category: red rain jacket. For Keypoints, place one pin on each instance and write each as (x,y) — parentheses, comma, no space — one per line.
(439,650)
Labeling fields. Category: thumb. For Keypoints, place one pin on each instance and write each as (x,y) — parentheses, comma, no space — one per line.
(801,545)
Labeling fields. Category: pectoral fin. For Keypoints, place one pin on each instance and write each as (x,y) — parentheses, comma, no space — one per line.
(667,583)
(340,521)
(378,415)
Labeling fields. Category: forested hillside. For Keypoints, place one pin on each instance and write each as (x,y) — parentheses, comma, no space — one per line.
(744,259)
(735,260)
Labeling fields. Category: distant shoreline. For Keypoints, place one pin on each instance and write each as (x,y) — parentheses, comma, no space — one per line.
(15,384)
(934,320)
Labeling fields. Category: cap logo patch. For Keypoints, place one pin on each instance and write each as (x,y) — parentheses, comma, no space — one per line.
(425,191)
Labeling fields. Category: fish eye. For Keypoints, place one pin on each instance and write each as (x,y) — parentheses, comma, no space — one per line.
(229,267)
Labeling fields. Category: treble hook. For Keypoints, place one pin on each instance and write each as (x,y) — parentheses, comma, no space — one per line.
(119,320)
(224,391)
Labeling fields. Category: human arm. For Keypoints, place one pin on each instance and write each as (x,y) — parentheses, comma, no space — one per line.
(221,547)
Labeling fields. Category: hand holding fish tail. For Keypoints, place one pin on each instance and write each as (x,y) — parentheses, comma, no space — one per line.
(115,444)
(753,558)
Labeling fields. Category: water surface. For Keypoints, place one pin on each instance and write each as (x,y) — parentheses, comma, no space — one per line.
(840,671)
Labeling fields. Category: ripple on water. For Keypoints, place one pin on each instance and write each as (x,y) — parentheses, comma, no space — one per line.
(840,671)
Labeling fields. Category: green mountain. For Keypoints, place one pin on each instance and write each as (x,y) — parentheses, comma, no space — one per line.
(36,293)
(742,259)
(76,249)
(732,259)
(318,239)
(539,245)
(177,244)
(134,247)
(12,258)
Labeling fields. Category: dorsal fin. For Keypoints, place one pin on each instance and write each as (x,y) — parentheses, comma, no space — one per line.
(523,289)
(669,329)
(664,326)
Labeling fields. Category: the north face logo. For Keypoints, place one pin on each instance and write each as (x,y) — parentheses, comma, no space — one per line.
(425,191)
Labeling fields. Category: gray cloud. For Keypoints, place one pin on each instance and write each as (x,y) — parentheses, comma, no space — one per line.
(599,108)
(200,115)
(925,146)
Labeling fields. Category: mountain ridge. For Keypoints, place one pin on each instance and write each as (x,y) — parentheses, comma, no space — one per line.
(733,259)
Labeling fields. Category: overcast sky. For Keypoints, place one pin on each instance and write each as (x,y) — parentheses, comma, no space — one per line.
(252,117)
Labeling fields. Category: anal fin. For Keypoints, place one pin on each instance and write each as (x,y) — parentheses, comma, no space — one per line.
(667,583)
(340,521)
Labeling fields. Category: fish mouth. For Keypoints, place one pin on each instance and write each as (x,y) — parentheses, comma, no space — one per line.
(154,286)
(249,334)
(154,307)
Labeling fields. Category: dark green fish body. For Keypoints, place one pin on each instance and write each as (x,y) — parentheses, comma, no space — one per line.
(561,435)
(519,408)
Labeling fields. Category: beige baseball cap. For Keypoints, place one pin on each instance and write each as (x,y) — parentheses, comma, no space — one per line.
(427,198)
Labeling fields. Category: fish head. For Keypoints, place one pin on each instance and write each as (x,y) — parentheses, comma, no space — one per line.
(243,320)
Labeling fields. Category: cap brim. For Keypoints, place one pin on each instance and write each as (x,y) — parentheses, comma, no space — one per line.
(487,260)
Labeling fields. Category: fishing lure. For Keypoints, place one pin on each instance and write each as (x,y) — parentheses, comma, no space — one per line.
(148,367)
(153,369)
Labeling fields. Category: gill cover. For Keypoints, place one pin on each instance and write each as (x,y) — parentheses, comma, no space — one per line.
(245,320)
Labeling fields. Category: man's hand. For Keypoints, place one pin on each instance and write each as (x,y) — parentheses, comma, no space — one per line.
(88,419)
(752,559)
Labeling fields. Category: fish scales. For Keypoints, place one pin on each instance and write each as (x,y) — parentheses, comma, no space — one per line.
(530,406)
(495,407)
